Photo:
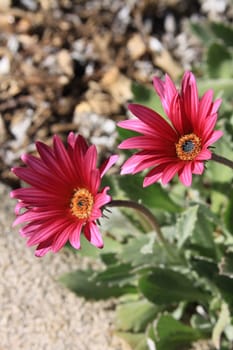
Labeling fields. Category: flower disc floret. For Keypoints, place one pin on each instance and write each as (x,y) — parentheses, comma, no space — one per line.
(81,203)
(188,147)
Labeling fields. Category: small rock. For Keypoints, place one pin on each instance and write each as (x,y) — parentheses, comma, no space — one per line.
(65,62)
(136,46)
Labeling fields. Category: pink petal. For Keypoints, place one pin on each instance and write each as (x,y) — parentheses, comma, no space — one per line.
(185,175)
(214,137)
(102,198)
(216,105)
(179,120)
(63,158)
(71,139)
(60,240)
(74,233)
(43,248)
(205,154)
(170,171)
(108,164)
(205,104)
(198,168)
(90,170)
(35,215)
(48,158)
(154,175)
(145,142)
(138,162)
(166,91)
(93,234)
(91,158)
(189,95)
(18,207)
(96,213)
(153,120)
(46,230)
(138,126)
(35,180)
(93,180)
(35,197)
(36,164)
(208,126)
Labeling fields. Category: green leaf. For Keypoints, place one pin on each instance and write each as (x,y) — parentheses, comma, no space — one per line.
(225,286)
(219,61)
(201,323)
(134,341)
(221,86)
(125,134)
(185,225)
(228,217)
(226,265)
(223,31)
(153,196)
(202,239)
(165,286)
(147,97)
(119,274)
(135,315)
(110,246)
(145,251)
(84,284)
(204,267)
(202,30)
(173,335)
(216,171)
(223,321)
(109,258)
(119,226)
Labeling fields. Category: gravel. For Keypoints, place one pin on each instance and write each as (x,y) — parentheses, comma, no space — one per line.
(37,313)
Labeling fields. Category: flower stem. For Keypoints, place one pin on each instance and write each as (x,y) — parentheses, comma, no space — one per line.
(146,212)
(222,160)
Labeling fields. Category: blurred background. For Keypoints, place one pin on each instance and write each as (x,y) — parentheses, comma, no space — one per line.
(74,65)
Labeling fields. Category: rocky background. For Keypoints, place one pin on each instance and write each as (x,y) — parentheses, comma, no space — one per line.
(68,65)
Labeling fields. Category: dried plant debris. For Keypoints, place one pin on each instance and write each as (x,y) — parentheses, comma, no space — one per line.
(68,65)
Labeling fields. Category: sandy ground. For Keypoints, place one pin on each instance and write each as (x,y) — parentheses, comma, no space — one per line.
(36,312)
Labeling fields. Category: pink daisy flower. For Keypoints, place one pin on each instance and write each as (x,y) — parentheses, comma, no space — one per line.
(64,197)
(179,145)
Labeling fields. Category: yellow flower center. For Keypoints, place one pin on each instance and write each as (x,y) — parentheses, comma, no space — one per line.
(188,147)
(81,203)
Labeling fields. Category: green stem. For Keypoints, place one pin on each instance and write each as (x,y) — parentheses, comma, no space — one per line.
(146,212)
(222,160)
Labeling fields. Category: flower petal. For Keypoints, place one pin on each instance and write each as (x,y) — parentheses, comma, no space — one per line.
(136,125)
(189,94)
(198,168)
(43,248)
(93,235)
(154,175)
(166,91)
(185,174)
(170,171)
(217,134)
(205,154)
(74,233)
(153,120)
(108,164)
